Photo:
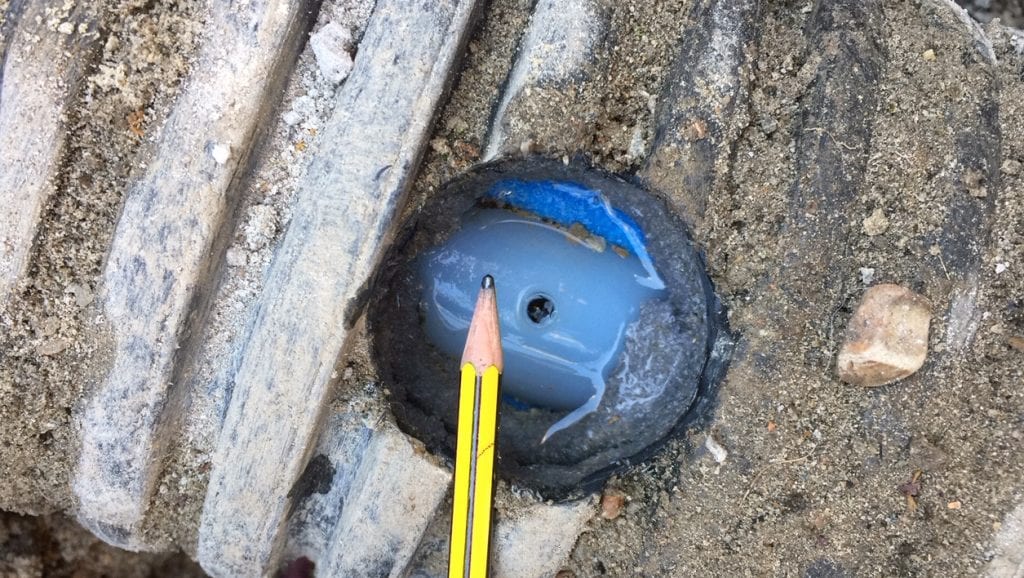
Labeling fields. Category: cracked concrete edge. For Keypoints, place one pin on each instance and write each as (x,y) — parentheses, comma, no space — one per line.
(698,104)
(536,540)
(342,218)
(531,539)
(41,65)
(556,48)
(370,492)
(981,40)
(163,252)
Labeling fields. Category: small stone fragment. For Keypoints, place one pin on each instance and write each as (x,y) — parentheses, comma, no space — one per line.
(611,504)
(876,224)
(696,130)
(1001,268)
(867,275)
(291,118)
(974,180)
(82,294)
(1016,342)
(887,338)
(637,144)
(260,227)
(717,450)
(928,55)
(49,326)
(331,45)
(236,257)
(954,505)
(440,146)
(1011,167)
(221,153)
(52,346)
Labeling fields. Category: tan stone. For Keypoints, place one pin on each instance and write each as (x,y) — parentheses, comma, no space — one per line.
(887,338)
(611,504)
(876,224)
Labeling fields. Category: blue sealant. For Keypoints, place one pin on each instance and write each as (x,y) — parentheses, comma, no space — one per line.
(557,245)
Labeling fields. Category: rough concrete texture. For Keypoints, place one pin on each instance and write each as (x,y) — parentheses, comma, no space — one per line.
(536,540)
(159,261)
(1008,559)
(555,51)
(841,109)
(342,217)
(532,538)
(42,64)
(369,480)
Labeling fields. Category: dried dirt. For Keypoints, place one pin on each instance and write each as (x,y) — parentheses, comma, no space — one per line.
(815,480)
(49,335)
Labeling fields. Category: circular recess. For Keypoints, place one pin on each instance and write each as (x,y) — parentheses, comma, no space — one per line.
(607,319)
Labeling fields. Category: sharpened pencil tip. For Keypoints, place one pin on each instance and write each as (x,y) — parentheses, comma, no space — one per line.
(483,340)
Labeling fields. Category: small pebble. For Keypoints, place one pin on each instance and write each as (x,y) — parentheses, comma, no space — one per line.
(718,451)
(637,144)
(611,504)
(1016,342)
(867,275)
(974,180)
(331,45)
(1001,268)
(696,130)
(1011,167)
(954,505)
(928,55)
(260,227)
(236,257)
(876,224)
(887,337)
(221,153)
(440,146)
(52,346)
(82,294)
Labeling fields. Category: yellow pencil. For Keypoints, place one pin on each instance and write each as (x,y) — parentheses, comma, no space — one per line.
(474,447)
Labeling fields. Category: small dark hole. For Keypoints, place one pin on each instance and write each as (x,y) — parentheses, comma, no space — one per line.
(539,308)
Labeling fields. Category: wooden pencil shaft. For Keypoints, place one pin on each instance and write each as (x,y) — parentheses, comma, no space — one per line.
(479,395)
(473,494)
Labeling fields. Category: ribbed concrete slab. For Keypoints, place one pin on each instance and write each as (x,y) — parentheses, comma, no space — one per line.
(342,216)
(164,251)
(556,49)
(43,54)
(701,110)
(365,498)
